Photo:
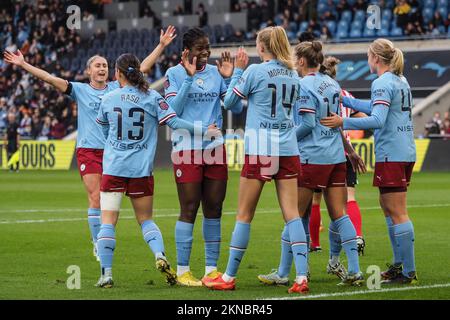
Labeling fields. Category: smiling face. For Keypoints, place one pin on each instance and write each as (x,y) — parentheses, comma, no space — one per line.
(98,70)
(201,50)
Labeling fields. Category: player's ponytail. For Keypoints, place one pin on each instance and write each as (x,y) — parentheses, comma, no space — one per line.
(311,52)
(328,67)
(129,65)
(275,40)
(391,56)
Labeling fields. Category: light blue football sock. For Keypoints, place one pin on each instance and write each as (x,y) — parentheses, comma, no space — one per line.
(348,237)
(335,240)
(153,237)
(94,221)
(238,245)
(286,254)
(305,222)
(183,239)
(298,245)
(404,236)
(106,244)
(212,237)
(397,259)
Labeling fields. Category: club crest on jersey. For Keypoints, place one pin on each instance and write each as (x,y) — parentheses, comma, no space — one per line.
(179,173)
(163,105)
(200,83)
(83,167)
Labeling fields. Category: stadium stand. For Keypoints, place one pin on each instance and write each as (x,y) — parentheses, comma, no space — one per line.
(108,27)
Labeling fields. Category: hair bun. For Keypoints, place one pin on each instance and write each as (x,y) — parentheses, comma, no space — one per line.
(317,46)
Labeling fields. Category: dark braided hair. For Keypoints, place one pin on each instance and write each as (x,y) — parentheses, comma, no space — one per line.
(130,66)
(191,36)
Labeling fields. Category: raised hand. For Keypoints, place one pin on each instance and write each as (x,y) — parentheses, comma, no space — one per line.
(225,65)
(191,68)
(333,121)
(14,58)
(167,37)
(241,60)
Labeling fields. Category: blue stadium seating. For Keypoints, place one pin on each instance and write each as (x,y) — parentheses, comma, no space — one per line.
(342,33)
(357,24)
(343,25)
(346,16)
(396,32)
(331,25)
(427,14)
(360,15)
(429,4)
(355,33)
(369,33)
(303,26)
(383,32)
(387,14)
(443,11)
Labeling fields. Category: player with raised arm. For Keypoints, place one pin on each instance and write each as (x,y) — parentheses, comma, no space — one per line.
(389,113)
(271,151)
(90,140)
(129,117)
(194,89)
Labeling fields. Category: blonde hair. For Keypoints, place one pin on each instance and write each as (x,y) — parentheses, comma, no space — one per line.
(91,60)
(311,52)
(275,40)
(328,67)
(391,56)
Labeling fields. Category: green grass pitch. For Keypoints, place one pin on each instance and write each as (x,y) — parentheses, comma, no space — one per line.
(43,231)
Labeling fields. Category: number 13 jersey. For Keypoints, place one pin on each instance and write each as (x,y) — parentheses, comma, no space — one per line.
(131,118)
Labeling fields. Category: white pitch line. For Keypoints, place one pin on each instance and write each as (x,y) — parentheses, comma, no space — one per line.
(158,216)
(361,292)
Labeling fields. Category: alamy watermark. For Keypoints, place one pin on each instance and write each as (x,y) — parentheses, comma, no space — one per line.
(374,17)
(74,280)
(73,22)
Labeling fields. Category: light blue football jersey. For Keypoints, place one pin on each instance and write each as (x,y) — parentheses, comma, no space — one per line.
(272,90)
(88,101)
(202,103)
(395,140)
(319,94)
(133,118)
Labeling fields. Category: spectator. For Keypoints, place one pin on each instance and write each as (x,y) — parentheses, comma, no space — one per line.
(87,16)
(446,128)
(25,125)
(412,29)
(341,7)
(253,17)
(57,131)
(12,138)
(437,19)
(361,5)
(432,29)
(402,11)
(325,34)
(44,134)
(434,126)
(237,36)
(3,115)
(236,7)
(447,22)
(178,10)
(203,15)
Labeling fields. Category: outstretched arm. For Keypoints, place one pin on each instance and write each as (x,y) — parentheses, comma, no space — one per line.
(357,104)
(233,97)
(18,60)
(164,40)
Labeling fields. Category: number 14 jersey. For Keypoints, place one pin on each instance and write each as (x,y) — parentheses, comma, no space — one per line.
(271,89)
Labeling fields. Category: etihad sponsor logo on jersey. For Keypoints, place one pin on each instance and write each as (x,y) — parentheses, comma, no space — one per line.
(120,146)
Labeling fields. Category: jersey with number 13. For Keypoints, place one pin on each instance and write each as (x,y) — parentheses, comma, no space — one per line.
(131,118)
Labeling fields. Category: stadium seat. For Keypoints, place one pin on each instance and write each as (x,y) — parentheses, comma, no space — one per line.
(441,29)
(448,33)
(355,33)
(342,33)
(385,24)
(303,26)
(427,14)
(442,3)
(369,33)
(218,32)
(443,11)
(360,15)
(387,14)
(228,30)
(321,8)
(331,25)
(383,32)
(343,25)
(356,24)
(396,32)
(346,16)
(429,4)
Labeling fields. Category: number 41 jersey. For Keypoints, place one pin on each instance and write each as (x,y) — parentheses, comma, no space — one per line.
(394,142)
(133,118)
(272,89)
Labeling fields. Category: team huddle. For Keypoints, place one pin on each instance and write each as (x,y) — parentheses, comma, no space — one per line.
(295,134)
